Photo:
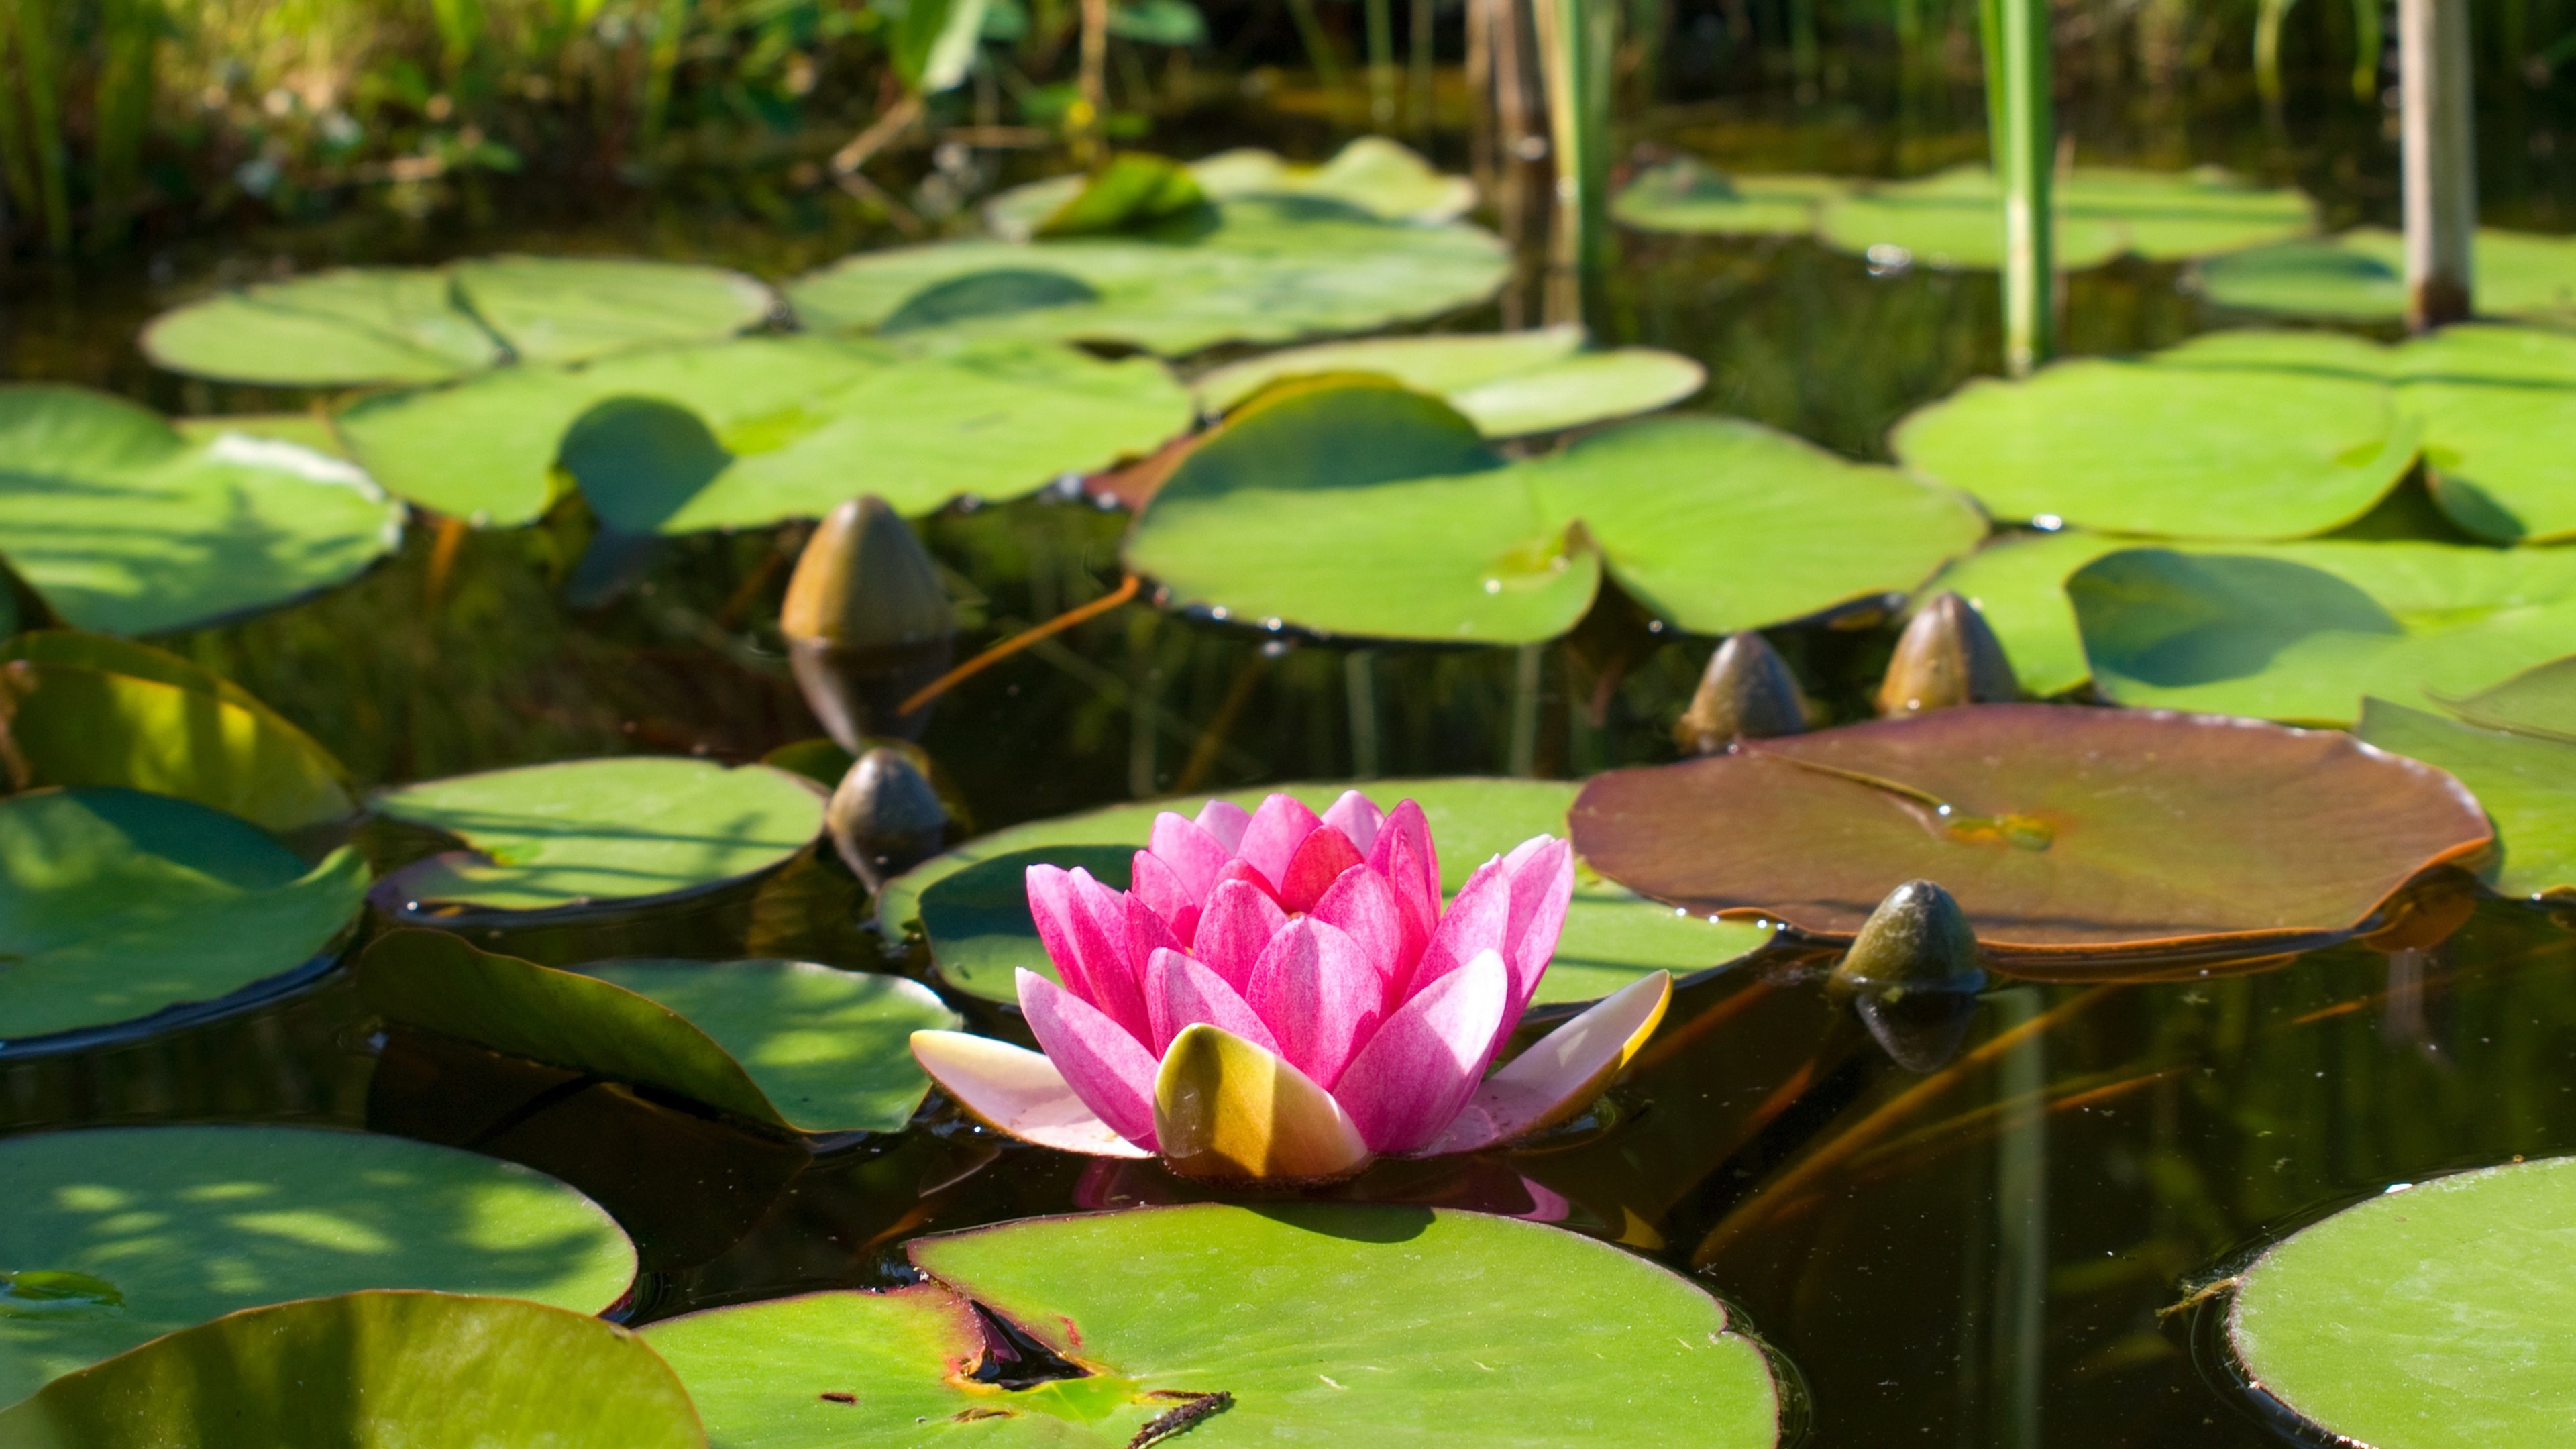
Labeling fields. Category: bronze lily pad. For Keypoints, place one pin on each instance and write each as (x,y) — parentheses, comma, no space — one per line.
(2074,839)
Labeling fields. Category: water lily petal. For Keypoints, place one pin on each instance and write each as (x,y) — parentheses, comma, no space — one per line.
(1012,1089)
(1404,855)
(1193,854)
(1100,933)
(1183,993)
(1408,1083)
(1320,996)
(1319,861)
(1235,929)
(1356,816)
(1052,906)
(1239,869)
(1227,1108)
(1541,870)
(1226,821)
(1164,893)
(1563,1072)
(1281,825)
(1363,906)
(1147,934)
(1474,924)
(1107,1067)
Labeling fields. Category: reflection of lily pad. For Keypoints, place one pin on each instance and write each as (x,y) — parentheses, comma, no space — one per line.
(2071,837)
(421,1370)
(783,427)
(1685,196)
(2360,276)
(787,1043)
(2433,1317)
(115,905)
(545,836)
(1354,507)
(1509,384)
(1316,1324)
(1383,178)
(125,525)
(2527,784)
(1954,218)
(973,901)
(184,1223)
(2302,631)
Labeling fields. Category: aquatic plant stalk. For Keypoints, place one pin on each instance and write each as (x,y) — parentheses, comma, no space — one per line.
(1381,61)
(2439,163)
(662,62)
(39,80)
(2367,42)
(1319,46)
(2022,133)
(2268,20)
(1576,40)
(1017,642)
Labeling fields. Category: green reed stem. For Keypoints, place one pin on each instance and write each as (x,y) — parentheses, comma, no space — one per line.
(1319,46)
(39,79)
(2268,18)
(2367,42)
(1577,43)
(1381,61)
(2022,131)
(662,62)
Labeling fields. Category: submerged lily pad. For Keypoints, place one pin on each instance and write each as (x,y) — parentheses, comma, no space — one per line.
(2527,784)
(791,1044)
(748,433)
(2360,276)
(126,526)
(1351,506)
(1295,1323)
(115,905)
(1509,384)
(373,1370)
(1954,218)
(973,906)
(89,709)
(547,836)
(1386,179)
(2432,1317)
(179,1224)
(1686,196)
(2301,632)
(2072,838)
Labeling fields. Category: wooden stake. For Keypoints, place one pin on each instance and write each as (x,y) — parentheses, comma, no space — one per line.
(2440,159)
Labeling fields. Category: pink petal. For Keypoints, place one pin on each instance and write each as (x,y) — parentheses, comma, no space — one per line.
(1235,929)
(1404,855)
(1541,871)
(1355,816)
(1160,888)
(1474,924)
(1107,1067)
(1277,829)
(1562,1072)
(1319,995)
(1226,821)
(1183,992)
(1015,1090)
(1052,906)
(1100,934)
(1319,861)
(1363,906)
(1411,1079)
(1241,869)
(1193,854)
(1146,934)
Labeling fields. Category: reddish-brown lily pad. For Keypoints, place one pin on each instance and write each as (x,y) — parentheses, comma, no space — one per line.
(2074,839)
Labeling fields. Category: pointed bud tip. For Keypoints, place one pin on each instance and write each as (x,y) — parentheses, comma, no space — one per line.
(865,582)
(1916,940)
(1947,656)
(1747,692)
(884,816)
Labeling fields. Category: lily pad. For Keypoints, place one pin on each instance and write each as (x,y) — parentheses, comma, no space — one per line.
(409,1369)
(791,1044)
(972,903)
(1298,1323)
(1954,218)
(126,526)
(2300,632)
(2018,583)
(2527,784)
(1688,197)
(116,905)
(748,433)
(2540,702)
(572,309)
(2255,436)
(2495,400)
(2360,276)
(1385,179)
(172,1226)
(1509,384)
(1351,506)
(548,836)
(2432,1317)
(2072,838)
(90,709)
(1263,269)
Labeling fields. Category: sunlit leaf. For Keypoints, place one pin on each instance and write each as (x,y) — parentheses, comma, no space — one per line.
(2540,701)
(1954,218)
(1686,196)
(2495,403)
(2527,784)
(2360,276)
(1508,384)
(1384,178)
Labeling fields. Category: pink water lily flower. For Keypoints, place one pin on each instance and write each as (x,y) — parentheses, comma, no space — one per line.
(1282,995)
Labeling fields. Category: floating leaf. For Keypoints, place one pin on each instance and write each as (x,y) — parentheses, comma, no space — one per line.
(748,433)
(373,1370)
(185,1223)
(2071,837)
(545,836)
(1382,178)
(1954,218)
(1354,507)
(794,1045)
(572,309)
(115,905)
(1295,1323)
(2301,632)
(2432,1317)
(2540,701)
(2495,400)
(2527,784)
(2360,276)
(1686,196)
(126,526)
(972,902)
(1509,384)
(89,709)
(2017,581)
(1131,192)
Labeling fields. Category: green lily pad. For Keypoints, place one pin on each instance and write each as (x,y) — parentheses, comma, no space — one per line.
(794,1045)
(572,309)
(90,709)
(973,906)
(2495,400)
(1354,507)
(2360,276)
(547,836)
(180,1224)
(1264,269)
(116,905)
(2432,1317)
(1688,197)
(1316,1324)
(748,433)
(1385,179)
(2255,436)
(2528,786)
(2540,702)
(2301,632)
(1954,218)
(126,526)
(373,1370)
(1509,384)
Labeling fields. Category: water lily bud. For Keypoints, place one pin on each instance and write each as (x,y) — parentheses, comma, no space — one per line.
(885,818)
(1746,693)
(1912,975)
(1947,656)
(867,622)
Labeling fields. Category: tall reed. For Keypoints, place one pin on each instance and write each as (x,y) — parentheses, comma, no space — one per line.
(2021,130)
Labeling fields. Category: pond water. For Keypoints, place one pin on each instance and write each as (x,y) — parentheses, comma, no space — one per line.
(1984,1255)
